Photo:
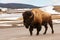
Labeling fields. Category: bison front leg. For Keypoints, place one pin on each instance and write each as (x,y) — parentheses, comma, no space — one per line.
(31,29)
(38,29)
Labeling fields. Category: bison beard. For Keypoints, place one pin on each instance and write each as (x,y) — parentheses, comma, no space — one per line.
(35,19)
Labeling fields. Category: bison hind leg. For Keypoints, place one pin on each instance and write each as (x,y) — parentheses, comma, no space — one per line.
(51,25)
(45,25)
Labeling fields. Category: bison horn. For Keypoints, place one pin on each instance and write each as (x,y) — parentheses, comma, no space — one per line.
(31,16)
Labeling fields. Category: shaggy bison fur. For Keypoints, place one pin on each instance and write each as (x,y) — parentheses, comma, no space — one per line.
(36,18)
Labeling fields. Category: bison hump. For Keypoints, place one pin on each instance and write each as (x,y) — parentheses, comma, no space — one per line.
(37,16)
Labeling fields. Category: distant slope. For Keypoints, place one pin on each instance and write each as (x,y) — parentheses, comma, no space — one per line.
(16,5)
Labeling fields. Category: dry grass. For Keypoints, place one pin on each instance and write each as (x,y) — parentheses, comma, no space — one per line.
(55,16)
(57,8)
(20,18)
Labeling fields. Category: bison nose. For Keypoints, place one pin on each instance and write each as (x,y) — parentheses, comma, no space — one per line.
(26,25)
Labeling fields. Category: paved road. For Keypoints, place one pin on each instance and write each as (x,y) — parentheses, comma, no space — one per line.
(21,33)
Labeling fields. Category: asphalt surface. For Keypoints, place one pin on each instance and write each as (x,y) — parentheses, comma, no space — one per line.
(21,33)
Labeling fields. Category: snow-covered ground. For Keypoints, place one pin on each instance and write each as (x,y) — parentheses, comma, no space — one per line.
(56,21)
(49,9)
(10,16)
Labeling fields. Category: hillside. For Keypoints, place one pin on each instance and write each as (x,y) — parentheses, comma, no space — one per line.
(16,5)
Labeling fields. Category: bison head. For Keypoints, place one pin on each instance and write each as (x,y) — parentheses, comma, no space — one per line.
(27,18)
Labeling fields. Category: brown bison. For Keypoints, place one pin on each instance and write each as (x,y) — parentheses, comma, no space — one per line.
(35,19)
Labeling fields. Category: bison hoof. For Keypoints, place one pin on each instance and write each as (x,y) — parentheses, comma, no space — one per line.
(37,34)
(44,33)
(31,34)
(52,32)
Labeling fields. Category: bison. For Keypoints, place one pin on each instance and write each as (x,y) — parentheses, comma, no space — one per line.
(36,18)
